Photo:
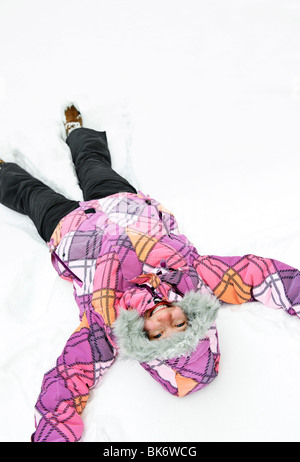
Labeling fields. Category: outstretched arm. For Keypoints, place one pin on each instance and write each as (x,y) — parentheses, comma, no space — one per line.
(65,389)
(237,280)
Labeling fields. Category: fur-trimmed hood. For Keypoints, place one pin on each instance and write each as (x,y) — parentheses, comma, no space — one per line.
(201,311)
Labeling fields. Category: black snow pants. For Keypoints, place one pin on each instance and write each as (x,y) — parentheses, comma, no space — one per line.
(27,195)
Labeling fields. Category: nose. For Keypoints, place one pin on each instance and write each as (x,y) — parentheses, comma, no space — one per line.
(164,317)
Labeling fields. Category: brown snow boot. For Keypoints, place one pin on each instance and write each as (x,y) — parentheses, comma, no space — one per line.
(72,119)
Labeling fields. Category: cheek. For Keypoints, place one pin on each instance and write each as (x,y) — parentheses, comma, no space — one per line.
(177,309)
(179,313)
(148,325)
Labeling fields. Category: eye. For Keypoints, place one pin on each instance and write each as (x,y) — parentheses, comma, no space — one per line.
(156,336)
(181,324)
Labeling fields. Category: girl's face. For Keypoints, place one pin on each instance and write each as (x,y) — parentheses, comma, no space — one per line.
(164,322)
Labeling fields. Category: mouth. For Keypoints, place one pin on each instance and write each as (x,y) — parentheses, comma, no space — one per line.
(158,307)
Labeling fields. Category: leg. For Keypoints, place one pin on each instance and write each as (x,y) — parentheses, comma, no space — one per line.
(25,194)
(92,162)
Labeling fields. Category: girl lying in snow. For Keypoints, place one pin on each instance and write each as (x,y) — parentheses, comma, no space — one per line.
(142,288)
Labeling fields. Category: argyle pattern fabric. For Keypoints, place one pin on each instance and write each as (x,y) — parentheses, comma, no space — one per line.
(125,252)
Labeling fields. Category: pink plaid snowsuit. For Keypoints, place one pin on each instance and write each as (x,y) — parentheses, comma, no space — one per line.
(119,252)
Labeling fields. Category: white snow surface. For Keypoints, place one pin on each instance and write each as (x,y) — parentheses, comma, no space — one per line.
(201,104)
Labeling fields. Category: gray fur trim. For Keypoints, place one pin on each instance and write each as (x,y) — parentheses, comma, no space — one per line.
(201,311)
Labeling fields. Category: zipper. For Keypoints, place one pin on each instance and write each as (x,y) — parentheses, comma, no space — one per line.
(66,267)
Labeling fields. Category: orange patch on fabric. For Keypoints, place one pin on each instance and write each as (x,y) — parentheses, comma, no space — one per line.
(56,236)
(142,243)
(151,278)
(84,323)
(184,384)
(103,302)
(232,288)
(80,402)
